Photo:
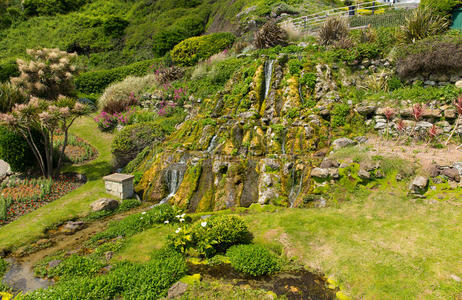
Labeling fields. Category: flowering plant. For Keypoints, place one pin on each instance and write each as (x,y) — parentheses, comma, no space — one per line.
(107,121)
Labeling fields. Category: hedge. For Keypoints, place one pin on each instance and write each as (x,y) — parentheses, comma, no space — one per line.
(97,81)
(15,150)
(192,50)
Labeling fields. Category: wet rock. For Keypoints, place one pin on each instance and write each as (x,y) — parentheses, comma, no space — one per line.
(54,263)
(342,143)
(419,185)
(104,204)
(329,163)
(363,174)
(72,227)
(451,173)
(177,290)
(320,173)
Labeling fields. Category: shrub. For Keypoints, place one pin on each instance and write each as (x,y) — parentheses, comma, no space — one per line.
(270,35)
(48,75)
(9,96)
(120,96)
(338,115)
(333,30)
(74,266)
(432,55)
(97,81)
(132,139)
(422,23)
(15,150)
(211,236)
(442,7)
(253,260)
(8,69)
(137,223)
(168,74)
(114,26)
(194,49)
(50,7)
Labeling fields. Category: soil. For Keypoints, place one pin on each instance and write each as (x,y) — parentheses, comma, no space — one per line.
(299,284)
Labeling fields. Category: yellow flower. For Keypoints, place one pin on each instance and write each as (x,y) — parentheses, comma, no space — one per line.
(5,296)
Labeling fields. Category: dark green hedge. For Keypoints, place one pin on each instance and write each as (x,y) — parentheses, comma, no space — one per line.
(97,81)
(15,150)
(8,69)
(191,51)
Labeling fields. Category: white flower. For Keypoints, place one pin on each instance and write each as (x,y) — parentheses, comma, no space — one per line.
(182,216)
(178,216)
(178,230)
(141,218)
(166,222)
(203,224)
(143,213)
(181,220)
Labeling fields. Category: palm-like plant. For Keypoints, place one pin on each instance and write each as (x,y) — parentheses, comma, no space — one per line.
(423,22)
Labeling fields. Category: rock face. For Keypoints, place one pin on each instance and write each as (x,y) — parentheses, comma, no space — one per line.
(342,143)
(105,204)
(419,185)
(177,290)
(320,173)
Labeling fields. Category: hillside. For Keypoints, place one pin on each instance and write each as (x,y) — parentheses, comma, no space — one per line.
(268,160)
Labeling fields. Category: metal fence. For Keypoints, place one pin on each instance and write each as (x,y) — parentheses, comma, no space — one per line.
(374,13)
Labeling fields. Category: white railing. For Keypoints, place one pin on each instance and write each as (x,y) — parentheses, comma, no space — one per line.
(360,9)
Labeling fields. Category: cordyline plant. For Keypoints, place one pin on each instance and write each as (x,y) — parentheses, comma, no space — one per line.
(47,117)
(49,74)
(458,104)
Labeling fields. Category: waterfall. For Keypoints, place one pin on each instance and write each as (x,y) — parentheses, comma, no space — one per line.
(268,74)
(296,188)
(174,177)
(300,93)
(213,144)
(283,146)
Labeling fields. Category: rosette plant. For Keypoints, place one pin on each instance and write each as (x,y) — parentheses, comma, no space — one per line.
(47,117)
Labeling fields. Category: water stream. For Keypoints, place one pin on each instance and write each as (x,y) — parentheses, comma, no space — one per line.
(174,177)
(213,144)
(296,187)
(20,277)
(268,74)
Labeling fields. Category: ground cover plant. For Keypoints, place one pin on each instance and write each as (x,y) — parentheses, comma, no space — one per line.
(77,150)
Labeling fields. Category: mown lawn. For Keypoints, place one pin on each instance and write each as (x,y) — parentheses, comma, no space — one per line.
(31,227)
(378,245)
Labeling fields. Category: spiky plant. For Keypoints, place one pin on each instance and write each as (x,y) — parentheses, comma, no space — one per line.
(423,22)
(333,30)
(270,35)
(169,74)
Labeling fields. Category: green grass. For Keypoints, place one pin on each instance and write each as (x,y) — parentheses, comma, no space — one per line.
(380,245)
(31,227)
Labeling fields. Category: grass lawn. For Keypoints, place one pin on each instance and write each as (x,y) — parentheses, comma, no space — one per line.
(31,227)
(379,245)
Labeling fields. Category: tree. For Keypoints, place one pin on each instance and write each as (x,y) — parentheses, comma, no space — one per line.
(48,75)
(47,117)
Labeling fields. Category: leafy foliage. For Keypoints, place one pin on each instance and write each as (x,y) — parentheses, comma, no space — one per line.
(442,7)
(192,50)
(421,23)
(132,139)
(15,150)
(211,236)
(252,259)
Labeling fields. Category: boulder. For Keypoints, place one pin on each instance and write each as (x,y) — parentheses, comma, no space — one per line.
(459,84)
(72,227)
(104,204)
(452,174)
(320,173)
(342,143)
(366,110)
(329,163)
(458,167)
(177,290)
(419,185)
(363,174)
(433,171)
(450,113)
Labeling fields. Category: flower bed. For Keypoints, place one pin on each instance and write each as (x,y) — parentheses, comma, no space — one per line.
(77,150)
(21,196)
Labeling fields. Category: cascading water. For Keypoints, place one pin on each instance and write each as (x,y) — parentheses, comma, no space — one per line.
(268,74)
(283,146)
(300,93)
(213,144)
(296,188)
(174,178)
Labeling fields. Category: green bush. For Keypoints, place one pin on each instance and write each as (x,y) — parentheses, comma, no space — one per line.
(75,266)
(194,49)
(97,81)
(132,139)
(15,150)
(339,114)
(8,69)
(443,7)
(126,280)
(50,7)
(422,23)
(9,96)
(139,222)
(114,26)
(211,236)
(3,266)
(253,260)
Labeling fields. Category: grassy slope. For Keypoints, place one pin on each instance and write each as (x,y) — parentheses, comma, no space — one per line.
(31,226)
(379,245)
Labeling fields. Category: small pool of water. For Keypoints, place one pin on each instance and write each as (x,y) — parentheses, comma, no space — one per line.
(20,277)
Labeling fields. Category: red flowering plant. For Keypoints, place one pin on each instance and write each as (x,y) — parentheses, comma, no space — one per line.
(171,98)
(389,114)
